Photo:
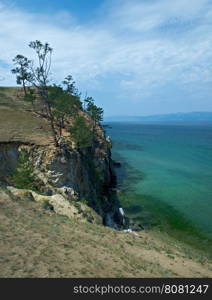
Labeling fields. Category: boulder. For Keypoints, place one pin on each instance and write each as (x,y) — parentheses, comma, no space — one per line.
(67,192)
(40,198)
(19,193)
(90,215)
(63,207)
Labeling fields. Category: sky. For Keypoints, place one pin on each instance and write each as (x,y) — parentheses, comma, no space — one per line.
(134,57)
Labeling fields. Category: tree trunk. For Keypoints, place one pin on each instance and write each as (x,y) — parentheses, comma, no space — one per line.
(24,87)
(49,114)
(54,132)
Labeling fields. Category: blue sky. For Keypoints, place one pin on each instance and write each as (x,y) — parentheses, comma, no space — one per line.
(83,10)
(135,57)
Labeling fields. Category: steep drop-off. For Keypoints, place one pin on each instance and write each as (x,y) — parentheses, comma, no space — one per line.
(85,174)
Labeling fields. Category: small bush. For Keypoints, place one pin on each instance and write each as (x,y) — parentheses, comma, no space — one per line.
(84,201)
(24,177)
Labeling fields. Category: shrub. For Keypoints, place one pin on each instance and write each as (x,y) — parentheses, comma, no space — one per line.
(84,201)
(24,177)
(81,133)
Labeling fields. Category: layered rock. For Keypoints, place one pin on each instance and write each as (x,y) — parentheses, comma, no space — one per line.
(78,175)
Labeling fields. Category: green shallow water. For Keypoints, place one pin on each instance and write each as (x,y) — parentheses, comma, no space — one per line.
(167,172)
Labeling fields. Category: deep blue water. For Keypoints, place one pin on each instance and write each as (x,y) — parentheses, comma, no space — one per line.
(174,164)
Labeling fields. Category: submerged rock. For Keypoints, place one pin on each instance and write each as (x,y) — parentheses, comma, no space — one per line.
(116,163)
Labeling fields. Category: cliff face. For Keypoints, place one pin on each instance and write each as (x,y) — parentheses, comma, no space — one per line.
(86,175)
(8,159)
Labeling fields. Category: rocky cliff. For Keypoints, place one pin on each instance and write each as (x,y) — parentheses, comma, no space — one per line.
(79,175)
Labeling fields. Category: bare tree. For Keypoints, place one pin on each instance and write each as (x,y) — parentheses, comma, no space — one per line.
(40,72)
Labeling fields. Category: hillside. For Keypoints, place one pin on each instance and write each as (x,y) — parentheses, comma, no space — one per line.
(67,239)
(18,123)
(36,242)
(85,174)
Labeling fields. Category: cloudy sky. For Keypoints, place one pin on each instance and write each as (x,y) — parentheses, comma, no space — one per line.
(135,57)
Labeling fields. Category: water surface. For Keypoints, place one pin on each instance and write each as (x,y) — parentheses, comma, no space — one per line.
(172,167)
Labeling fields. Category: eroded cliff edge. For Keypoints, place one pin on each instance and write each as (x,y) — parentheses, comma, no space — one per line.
(79,175)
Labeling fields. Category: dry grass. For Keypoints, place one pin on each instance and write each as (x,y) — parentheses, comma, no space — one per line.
(13,97)
(38,243)
(8,93)
(35,242)
(18,125)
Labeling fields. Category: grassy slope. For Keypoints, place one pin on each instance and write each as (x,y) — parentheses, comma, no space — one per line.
(38,243)
(19,125)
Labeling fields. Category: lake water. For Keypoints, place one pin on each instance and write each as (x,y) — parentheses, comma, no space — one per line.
(168,167)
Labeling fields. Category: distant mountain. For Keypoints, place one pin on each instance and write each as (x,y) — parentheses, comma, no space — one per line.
(176,117)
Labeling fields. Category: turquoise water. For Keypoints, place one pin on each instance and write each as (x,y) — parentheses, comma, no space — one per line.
(172,165)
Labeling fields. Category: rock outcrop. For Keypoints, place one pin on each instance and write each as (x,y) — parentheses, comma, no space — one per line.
(78,175)
(60,205)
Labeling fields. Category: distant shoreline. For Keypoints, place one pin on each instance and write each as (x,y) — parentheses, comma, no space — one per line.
(192,117)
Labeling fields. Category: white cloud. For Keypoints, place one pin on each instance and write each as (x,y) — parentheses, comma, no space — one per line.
(146,44)
(145,15)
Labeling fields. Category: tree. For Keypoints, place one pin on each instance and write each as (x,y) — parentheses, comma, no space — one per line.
(95,112)
(22,71)
(63,104)
(70,87)
(40,73)
(30,96)
(37,76)
(60,103)
(24,177)
(40,78)
(74,95)
(81,133)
